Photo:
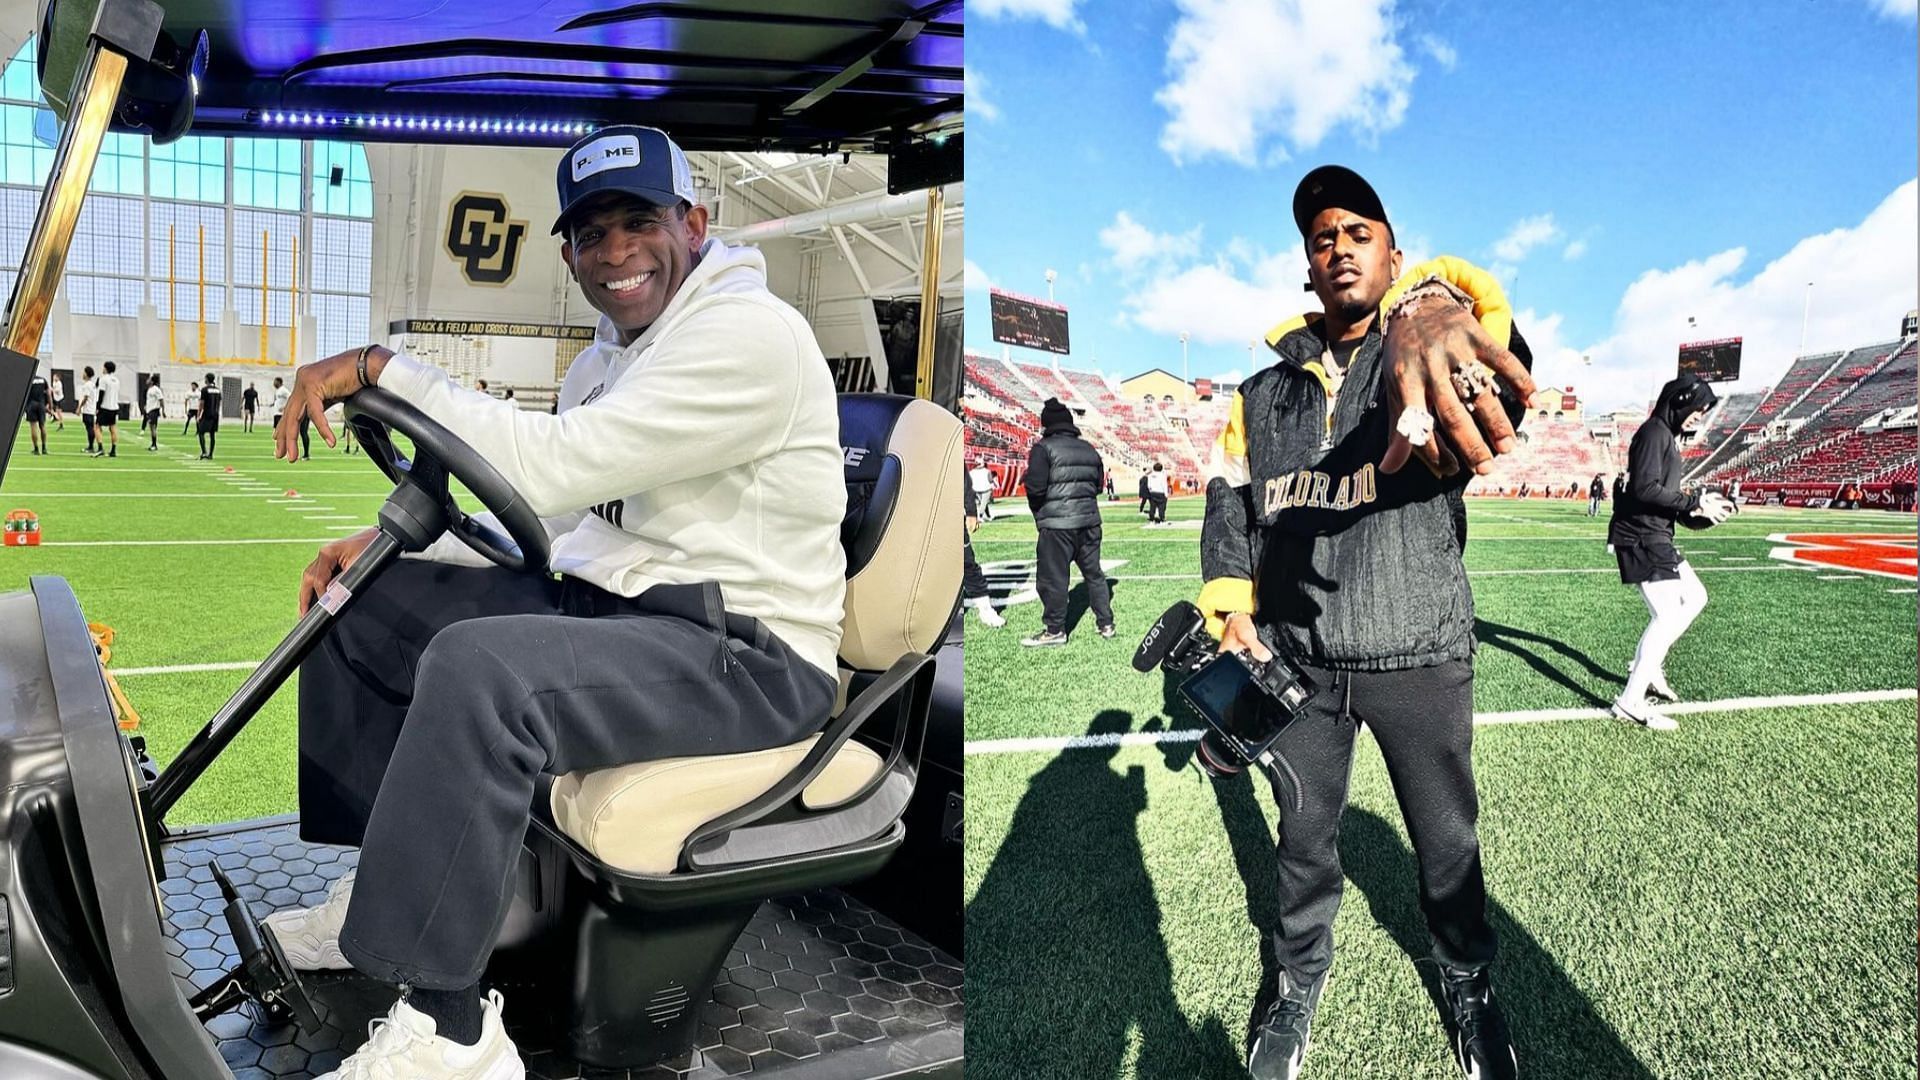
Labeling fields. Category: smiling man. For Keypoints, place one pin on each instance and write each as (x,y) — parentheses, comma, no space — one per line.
(692,487)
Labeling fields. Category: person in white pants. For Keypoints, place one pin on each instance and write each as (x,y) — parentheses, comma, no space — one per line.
(1641,536)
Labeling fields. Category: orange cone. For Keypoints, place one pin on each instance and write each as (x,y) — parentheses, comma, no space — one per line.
(229,468)
(292,494)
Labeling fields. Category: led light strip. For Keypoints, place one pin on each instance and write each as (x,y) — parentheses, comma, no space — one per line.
(458,125)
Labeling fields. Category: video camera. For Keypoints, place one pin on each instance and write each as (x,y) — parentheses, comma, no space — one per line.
(1246,702)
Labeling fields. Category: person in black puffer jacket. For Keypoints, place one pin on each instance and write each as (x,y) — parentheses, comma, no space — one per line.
(1063,488)
(1641,537)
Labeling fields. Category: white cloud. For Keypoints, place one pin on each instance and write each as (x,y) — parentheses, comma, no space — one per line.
(1864,276)
(1055,13)
(1226,297)
(1442,53)
(1526,234)
(976,278)
(1133,245)
(1897,9)
(1574,250)
(1250,74)
(974,85)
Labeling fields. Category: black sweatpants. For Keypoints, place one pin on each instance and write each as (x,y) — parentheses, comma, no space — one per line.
(1059,548)
(440,697)
(1422,720)
(1156,507)
(973,580)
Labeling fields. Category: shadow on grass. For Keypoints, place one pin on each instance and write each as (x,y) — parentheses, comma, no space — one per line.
(1556,1031)
(1512,639)
(1066,964)
(1078,603)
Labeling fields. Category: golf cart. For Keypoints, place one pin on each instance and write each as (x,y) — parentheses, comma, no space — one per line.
(669,919)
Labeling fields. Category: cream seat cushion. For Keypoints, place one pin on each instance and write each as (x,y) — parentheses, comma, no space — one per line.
(635,818)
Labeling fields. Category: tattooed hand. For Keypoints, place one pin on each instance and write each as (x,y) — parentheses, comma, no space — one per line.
(1427,344)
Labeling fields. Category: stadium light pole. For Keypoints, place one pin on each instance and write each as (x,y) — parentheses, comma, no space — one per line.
(1050,276)
(1188,392)
(1805,310)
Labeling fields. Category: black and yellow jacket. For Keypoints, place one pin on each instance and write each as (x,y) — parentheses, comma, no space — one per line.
(1341,566)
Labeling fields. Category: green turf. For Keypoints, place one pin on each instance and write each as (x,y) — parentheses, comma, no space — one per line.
(1732,900)
(191,603)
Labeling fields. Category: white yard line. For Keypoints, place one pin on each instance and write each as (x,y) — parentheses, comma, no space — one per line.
(181,669)
(1839,577)
(182,495)
(1598,540)
(1488,573)
(1529,716)
(334,517)
(181,543)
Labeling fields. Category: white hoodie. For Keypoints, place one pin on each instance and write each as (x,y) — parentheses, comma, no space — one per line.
(707,450)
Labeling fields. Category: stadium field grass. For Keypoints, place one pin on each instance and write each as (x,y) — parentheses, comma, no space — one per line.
(1736,899)
(190,567)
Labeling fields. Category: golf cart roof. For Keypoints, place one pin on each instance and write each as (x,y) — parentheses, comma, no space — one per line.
(834,75)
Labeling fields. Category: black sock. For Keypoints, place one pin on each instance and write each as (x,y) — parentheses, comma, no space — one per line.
(456,1013)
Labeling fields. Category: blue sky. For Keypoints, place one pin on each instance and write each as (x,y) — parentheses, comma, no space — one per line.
(1622,167)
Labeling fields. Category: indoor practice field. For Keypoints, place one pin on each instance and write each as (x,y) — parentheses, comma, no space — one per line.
(197,571)
(1734,899)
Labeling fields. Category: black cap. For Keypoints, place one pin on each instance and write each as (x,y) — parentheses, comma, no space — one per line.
(639,161)
(1335,185)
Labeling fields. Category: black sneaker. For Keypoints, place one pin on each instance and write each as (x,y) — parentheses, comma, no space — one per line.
(1477,1028)
(1280,1042)
(1108,631)
(1045,637)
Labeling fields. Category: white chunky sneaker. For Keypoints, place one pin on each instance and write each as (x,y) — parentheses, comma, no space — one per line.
(983,607)
(403,1046)
(1639,712)
(311,936)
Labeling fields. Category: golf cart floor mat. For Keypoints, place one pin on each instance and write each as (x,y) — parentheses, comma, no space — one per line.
(813,974)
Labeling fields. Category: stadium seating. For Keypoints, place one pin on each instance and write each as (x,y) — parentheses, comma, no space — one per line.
(1827,440)
(1556,456)
(1834,416)
(1002,403)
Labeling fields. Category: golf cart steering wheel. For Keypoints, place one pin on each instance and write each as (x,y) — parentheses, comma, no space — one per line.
(437,455)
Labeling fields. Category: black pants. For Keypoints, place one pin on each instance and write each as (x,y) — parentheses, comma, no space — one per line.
(1422,720)
(1059,548)
(437,701)
(87,418)
(973,580)
(1156,507)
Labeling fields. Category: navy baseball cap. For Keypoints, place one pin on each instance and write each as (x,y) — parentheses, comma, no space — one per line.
(1335,185)
(639,161)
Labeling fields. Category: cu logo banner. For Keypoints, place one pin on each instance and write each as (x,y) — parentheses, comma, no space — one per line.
(483,239)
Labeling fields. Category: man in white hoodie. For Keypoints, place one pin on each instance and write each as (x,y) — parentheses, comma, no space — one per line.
(690,481)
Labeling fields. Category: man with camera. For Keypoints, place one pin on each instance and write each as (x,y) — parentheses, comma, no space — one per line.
(1326,541)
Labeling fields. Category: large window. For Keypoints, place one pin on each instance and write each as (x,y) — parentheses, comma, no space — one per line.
(342,186)
(266,172)
(211,199)
(190,168)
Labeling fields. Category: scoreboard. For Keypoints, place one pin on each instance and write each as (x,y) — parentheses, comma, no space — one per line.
(1712,361)
(1028,323)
